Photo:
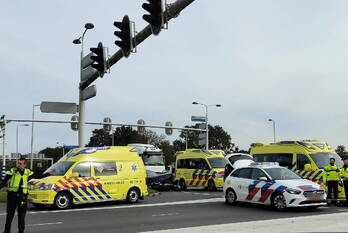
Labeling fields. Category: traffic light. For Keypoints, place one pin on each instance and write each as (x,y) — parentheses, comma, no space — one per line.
(74,125)
(100,59)
(156,9)
(107,127)
(126,35)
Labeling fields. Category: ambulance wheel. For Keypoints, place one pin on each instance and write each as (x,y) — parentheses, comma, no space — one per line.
(62,201)
(182,185)
(278,201)
(211,185)
(230,197)
(133,195)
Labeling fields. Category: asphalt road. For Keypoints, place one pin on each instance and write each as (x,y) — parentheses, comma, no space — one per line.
(170,210)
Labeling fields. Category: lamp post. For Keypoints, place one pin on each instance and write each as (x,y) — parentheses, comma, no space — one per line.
(206,120)
(58,143)
(17,139)
(81,102)
(32,136)
(274,136)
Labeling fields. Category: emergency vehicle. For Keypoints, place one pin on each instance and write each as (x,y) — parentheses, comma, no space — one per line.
(152,156)
(93,174)
(271,184)
(199,168)
(306,158)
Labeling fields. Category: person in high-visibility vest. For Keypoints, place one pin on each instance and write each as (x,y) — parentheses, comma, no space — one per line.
(17,193)
(344,176)
(331,177)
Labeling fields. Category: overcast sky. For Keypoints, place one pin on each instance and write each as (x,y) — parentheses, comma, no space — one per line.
(285,60)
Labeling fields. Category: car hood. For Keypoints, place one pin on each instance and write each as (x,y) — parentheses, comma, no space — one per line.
(300,184)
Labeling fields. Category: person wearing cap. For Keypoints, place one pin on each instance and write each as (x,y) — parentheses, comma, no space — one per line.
(344,177)
(331,177)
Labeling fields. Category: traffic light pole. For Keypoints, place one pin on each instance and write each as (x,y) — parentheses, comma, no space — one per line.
(172,11)
(81,108)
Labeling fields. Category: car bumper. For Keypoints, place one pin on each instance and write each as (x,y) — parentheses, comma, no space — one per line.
(41,197)
(303,201)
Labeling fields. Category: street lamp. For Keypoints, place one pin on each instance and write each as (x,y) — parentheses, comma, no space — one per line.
(58,143)
(274,137)
(81,102)
(206,121)
(17,139)
(32,135)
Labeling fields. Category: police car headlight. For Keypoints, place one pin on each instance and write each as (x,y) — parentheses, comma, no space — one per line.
(46,187)
(293,191)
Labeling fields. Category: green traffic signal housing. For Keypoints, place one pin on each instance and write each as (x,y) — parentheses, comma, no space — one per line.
(125,34)
(100,59)
(156,19)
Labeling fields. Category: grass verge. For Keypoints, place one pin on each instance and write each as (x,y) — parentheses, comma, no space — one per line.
(3,196)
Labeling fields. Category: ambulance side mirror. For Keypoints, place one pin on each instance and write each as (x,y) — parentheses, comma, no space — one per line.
(308,167)
(74,175)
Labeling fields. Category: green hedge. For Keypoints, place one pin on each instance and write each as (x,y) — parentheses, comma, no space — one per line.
(3,196)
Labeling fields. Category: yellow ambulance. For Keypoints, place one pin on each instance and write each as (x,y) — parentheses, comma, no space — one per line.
(92,174)
(199,168)
(307,158)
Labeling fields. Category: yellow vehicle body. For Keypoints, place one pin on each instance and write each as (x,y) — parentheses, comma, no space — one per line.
(197,168)
(92,174)
(306,158)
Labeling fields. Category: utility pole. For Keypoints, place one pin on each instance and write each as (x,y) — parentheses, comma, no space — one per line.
(3,146)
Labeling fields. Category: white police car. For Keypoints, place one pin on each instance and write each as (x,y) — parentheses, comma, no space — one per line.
(271,184)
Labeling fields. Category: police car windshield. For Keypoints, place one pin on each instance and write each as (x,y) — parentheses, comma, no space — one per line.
(60,168)
(217,162)
(281,174)
(322,159)
(153,159)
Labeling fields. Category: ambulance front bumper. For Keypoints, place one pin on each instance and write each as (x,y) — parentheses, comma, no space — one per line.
(45,197)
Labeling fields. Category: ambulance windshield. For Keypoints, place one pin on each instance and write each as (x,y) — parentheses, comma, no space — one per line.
(322,159)
(281,174)
(153,159)
(59,168)
(218,162)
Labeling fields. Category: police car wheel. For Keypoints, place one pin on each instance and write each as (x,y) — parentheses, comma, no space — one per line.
(133,195)
(62,201)
(230,197)
(182,185)
(278,202)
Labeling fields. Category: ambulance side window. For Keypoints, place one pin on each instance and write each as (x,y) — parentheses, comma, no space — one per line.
(104,168)
(301,161)
(84,169)
(180,163)
(203,164)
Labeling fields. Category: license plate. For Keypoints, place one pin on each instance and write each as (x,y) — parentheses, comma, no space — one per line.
(32,196)
(316,197)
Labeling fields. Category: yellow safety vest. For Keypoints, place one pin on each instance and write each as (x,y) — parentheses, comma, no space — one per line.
(16,178)
(331,173)
(344,173)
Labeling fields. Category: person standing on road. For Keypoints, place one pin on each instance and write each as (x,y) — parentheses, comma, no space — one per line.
(17,193)
(344,176)
(331,177)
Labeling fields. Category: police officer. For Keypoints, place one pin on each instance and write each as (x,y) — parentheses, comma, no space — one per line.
(17,193)
(331,177)
(344,176)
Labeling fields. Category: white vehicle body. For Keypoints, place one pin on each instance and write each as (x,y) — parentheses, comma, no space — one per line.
(152,156)
(272,185)
(237,160)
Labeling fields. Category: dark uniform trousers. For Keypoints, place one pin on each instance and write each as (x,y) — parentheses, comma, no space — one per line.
(345,183)
(332,186)
(15,201)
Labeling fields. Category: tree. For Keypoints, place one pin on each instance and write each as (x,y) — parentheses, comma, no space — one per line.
(56,153)
(218,139)
(100,137)
(168,151)
(341,151)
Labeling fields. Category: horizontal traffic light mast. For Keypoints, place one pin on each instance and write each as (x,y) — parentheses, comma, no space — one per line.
(171,12)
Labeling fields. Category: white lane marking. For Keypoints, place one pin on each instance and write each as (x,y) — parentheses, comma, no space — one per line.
(163,215)
(44,224)
(335,222)
(200,201)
